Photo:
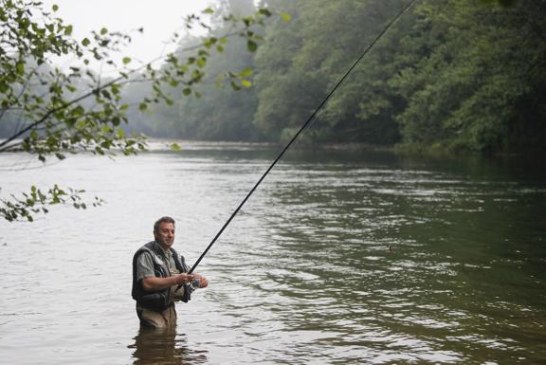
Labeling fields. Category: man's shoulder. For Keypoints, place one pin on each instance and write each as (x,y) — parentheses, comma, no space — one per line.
(147,251)
(148,247)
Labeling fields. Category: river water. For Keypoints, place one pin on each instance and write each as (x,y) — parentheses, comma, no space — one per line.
(340,257)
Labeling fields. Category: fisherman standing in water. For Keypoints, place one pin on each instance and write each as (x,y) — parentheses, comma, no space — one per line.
(160,278)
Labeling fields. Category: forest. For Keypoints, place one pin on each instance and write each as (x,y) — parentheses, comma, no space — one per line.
(458,76)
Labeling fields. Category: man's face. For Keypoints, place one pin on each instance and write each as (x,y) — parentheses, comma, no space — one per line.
(165,234)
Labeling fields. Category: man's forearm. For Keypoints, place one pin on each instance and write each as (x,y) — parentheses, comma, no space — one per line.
(153,283)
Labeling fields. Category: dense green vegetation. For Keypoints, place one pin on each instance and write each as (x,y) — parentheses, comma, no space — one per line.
(451,75)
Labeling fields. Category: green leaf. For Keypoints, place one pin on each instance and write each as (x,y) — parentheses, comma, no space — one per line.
(103,31)
(286,17)
(265,11)
(106,94)
(55,7)
(251,45)
(175,147)
(246,83)
(78,111)
(20,67)
(201,62)
(85,42)
(247,72)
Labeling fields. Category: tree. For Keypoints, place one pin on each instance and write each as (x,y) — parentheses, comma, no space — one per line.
(299,65)
(480,68)
(48,111)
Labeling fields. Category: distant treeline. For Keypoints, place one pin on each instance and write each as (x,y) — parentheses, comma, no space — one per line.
(450,75)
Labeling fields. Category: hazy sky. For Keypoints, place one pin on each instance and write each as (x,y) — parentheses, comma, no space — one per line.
(160,18)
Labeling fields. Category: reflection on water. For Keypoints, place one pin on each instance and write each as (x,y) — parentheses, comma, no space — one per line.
(337,258)
(164,346)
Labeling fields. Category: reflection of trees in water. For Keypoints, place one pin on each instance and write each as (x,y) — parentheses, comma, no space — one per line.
(162,346)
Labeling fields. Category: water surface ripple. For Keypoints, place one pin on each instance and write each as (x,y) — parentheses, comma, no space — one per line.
(337,258)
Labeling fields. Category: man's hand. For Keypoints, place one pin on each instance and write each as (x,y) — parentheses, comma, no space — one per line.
(203,282)
(184,278)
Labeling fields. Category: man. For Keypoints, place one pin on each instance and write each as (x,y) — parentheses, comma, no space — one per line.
(160,278)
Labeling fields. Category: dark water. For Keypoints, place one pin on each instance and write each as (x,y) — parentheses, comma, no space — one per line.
(339,258)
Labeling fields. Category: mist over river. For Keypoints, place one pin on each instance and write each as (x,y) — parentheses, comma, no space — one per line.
(340,257)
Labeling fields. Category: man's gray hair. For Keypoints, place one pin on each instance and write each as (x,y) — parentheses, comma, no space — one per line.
(162,220)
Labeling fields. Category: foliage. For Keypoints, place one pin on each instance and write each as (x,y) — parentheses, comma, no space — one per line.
(461,76)
(48,111)
(479,64)
(47,100)
(37,201)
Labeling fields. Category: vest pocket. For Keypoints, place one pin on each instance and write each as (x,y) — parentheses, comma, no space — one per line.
(155,301)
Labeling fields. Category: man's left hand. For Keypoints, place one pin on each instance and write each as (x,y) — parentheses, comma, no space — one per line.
(203,282)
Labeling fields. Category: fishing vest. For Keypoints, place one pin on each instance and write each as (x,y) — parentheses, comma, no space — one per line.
(161,299)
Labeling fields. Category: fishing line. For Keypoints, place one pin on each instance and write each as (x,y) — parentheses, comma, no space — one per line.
(307,122)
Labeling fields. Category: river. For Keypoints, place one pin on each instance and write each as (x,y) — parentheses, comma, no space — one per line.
(340,257)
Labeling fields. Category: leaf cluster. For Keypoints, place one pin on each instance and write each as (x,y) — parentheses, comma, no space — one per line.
(37,201)
(49,111)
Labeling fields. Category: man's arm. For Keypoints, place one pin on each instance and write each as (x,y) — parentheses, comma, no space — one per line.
(145,273)
(153,283)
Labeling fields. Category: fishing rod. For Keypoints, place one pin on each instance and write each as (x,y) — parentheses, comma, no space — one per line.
(296,135)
